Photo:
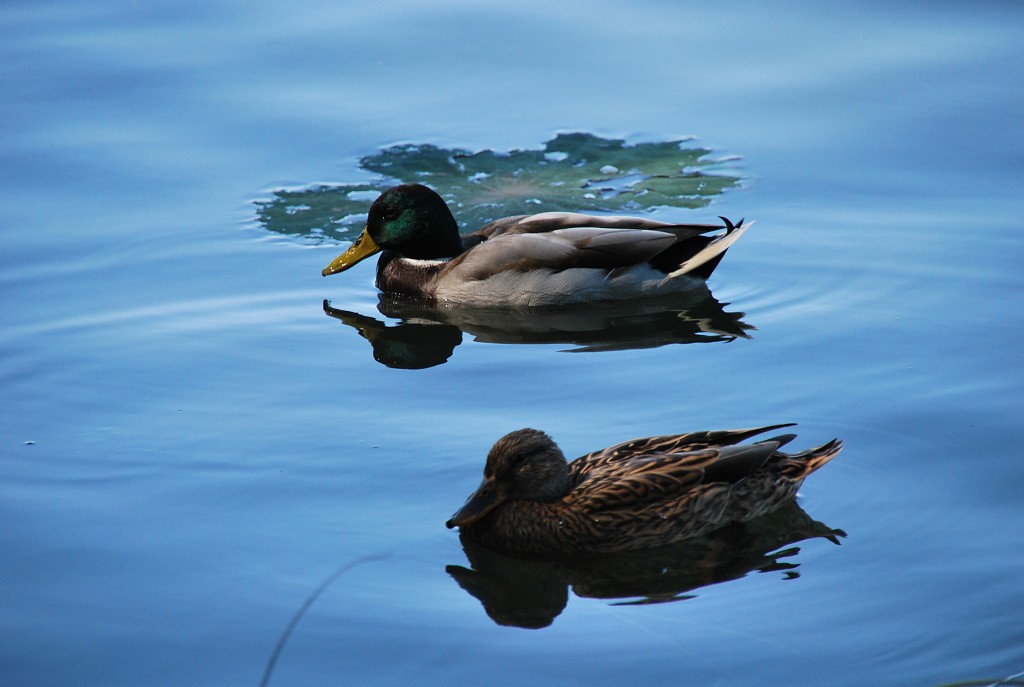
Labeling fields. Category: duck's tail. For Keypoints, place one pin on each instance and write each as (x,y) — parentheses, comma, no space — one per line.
(797,466)
(706,258)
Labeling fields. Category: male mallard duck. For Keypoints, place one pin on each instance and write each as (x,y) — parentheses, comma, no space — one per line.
(640,493)
(553,257)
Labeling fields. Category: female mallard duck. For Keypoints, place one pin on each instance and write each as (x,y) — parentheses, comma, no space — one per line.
(550,258)
(640,493)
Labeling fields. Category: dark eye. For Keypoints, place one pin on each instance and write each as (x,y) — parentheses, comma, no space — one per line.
(391,213)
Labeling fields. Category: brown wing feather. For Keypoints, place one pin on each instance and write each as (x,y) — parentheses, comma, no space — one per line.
(666,443)
(640,481)
(668,477)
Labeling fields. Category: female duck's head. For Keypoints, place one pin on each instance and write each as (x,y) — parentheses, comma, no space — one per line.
(525,465)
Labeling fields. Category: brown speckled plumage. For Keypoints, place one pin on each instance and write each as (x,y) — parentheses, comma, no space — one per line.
(637,494)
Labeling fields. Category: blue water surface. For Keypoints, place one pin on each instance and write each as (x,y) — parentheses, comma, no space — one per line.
(191,447)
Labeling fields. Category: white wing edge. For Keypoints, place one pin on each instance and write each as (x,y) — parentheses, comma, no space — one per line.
(711,251)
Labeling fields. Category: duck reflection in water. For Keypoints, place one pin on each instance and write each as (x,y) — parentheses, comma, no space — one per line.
(426,335)
(531,593)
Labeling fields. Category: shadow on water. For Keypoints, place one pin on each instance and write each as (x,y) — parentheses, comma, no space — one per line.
(426,335)
(532,593)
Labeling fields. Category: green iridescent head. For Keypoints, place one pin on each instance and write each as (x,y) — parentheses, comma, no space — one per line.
(411,220)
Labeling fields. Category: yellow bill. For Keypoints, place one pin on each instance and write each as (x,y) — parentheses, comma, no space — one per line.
(363,248)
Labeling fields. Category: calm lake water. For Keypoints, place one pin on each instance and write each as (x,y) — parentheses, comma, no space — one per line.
(207,480)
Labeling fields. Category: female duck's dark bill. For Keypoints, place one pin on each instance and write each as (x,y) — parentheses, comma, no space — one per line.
(363,248)
(482,502)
